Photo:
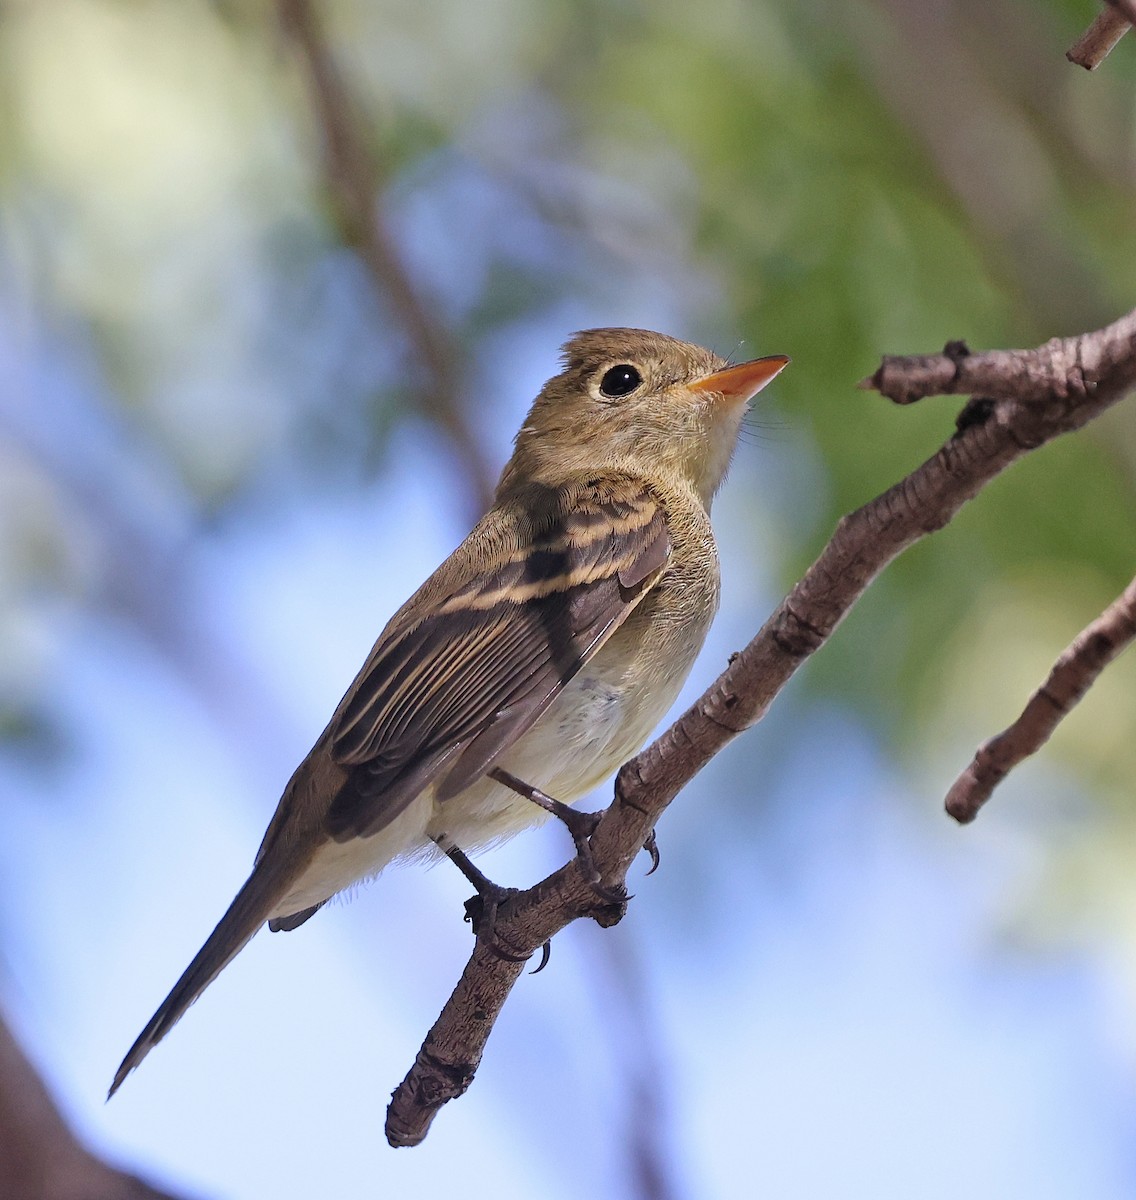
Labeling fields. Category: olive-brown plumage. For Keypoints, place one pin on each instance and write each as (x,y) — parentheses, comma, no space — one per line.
(549,644)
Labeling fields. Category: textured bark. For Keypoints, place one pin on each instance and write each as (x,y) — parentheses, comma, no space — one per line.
(1025,398)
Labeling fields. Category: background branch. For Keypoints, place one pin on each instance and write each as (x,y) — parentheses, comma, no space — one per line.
(1039,394)
(220,390)
(353,181)
(1073,674)
(40,1158)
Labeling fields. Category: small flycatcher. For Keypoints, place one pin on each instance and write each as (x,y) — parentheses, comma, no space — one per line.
(543,651)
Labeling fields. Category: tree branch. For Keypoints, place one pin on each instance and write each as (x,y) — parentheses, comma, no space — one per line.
(1073,674)
(1038,394)
(353,182)
(1126,7)
(1097,42)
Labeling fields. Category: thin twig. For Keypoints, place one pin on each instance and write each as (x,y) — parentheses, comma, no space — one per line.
(1097,42)
(353,181)
(1086,374)
(646,1131)
(1054,373)
(1073,674)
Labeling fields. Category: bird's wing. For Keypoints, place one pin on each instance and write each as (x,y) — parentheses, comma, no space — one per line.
(440,699)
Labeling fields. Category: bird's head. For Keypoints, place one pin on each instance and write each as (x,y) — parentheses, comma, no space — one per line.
(638,402)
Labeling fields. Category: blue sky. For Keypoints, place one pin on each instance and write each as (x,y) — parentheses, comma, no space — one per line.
(832,993)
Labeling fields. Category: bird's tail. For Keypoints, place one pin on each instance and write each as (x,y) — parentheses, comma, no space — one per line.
(248,911)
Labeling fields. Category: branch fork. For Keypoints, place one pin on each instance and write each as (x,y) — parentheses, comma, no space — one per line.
(1033,396)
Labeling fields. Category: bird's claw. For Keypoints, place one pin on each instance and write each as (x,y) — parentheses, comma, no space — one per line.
(652,848)
(481,912)
(545,955)
(609,895)
(581,825)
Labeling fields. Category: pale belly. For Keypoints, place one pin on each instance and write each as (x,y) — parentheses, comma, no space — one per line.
(602,717)
(591,728)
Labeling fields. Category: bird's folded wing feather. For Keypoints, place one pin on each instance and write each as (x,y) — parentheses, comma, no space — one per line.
(441,697)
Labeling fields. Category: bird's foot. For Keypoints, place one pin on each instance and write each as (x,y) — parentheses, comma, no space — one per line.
(581,825)
(481,910)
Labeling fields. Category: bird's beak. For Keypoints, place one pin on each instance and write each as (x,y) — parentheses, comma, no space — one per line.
(738,384)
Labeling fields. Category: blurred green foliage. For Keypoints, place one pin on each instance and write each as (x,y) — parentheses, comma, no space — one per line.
(830,180)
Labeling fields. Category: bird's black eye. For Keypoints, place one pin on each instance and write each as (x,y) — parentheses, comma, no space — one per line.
(619,381)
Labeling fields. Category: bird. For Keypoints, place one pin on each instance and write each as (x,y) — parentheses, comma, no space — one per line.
(535,660)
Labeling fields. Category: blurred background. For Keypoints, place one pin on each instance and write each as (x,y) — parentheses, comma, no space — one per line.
(277,283)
